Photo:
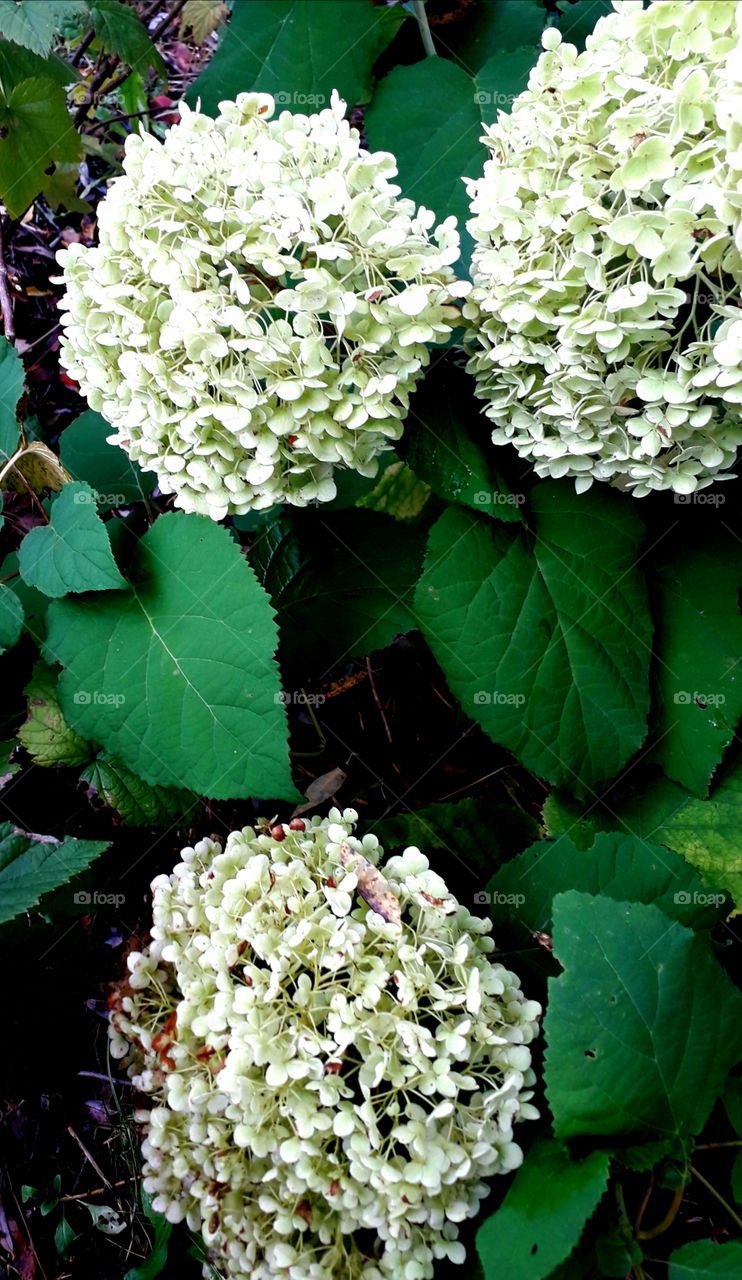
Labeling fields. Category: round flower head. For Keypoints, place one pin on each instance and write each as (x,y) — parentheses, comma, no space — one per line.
(256,312)
(336,1061)
(608,261)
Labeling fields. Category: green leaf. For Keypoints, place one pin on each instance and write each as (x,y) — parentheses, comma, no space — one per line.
(642,1026)
(33,604)
(360,574)
(12,376)
(540,1221)
(578,20)
(699,639)
(562,815)
(30,868)
(120,31)
(449,828)
(176,678)
(707,833)
(8,768)
(36,129)
(137,803)
(64,1236)
(72,552)
(45,734)
(545,642)
(497,30)
(622,867)
(154,1265)
(32,23)
(11,618)
(18,64)
(704,1260)
(443,452)
(299,51)
(440,140)
(87,456)
(202,17)
(398,493)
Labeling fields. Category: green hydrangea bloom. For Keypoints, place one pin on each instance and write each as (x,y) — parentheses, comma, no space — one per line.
(257,311)
(608,261)
(331,1081)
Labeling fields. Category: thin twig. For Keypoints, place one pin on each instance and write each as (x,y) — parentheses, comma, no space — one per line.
(130,115)
(109,65)
(717,1196)
(91,1159)
(377,700)
(99,1191)
(82,48)
(669,1217)
(5,300)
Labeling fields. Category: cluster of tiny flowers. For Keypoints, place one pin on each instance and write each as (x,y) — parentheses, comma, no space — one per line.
(330,1084)
(609,253)
(258,308)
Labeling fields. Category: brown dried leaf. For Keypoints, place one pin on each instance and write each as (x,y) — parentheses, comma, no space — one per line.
(321,789)
(372,886)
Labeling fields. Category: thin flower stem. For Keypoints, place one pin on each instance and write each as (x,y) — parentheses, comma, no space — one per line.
(717,1196)
(418,8)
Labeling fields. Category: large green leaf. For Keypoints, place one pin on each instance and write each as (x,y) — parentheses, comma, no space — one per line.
(439,143)
(86,454)
(136,802)
(444,108)
(18,64)
(545,640)
(44,733)
(698,645)
(36,129)
(120,31)
(30,868)
(496,30)
(540,1221)
(704,1260)
(446,445)
(32,23)
(619,866)
(299,51)
(177,678)
(11,618)
(71,552)
(12,376)
(353,593)
(642,1026)
(708,833)
(456,830)
(577,20)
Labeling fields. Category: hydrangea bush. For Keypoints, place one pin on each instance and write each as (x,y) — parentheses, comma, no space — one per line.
(608,256)
(331,1080)
(258,308)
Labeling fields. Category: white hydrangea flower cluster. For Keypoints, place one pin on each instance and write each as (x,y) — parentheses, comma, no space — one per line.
(257,311)
(330,1086)
(608,261)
